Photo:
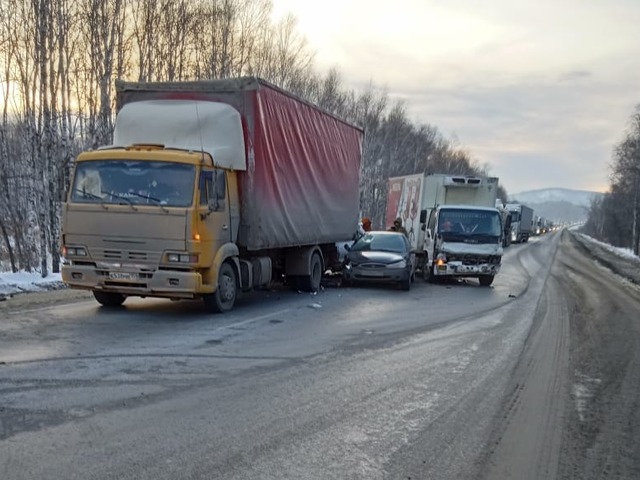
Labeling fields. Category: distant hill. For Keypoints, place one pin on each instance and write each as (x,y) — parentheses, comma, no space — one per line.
(576,197)
(559,205)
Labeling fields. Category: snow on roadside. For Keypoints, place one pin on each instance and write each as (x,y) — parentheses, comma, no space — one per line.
(22,282)
(621,252)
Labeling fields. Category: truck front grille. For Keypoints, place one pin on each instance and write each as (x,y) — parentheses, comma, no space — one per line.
(474,259)
(124,255)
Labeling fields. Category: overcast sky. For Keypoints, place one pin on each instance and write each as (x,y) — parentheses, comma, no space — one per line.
(539,89)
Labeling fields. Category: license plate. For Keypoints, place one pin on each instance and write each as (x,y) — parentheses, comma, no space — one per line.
(467,269)
(123,276)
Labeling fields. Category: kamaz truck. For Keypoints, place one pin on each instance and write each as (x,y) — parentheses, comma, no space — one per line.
(211,188)
(452,224)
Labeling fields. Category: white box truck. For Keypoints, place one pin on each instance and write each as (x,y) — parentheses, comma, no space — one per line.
(451,222)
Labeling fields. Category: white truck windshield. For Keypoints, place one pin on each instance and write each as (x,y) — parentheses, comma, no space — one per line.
(470,222)
(133,182)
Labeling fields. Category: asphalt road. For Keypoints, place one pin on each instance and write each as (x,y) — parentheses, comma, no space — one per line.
(536,377)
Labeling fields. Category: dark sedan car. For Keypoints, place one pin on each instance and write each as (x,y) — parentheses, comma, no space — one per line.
(380,257)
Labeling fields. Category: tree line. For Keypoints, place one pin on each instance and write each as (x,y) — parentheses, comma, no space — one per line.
(614,218)
(59,60)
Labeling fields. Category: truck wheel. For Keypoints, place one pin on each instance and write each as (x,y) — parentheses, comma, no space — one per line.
(433,278)
(485,280)
(223,299)
(426,270)
(109,299)
(311,283)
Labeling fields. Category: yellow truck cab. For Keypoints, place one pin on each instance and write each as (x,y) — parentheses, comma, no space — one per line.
(144,221)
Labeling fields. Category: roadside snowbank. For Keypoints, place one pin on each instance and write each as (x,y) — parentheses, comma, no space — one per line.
(621,252)
(22,282)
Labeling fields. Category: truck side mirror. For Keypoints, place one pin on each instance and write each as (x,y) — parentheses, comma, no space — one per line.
(423,216)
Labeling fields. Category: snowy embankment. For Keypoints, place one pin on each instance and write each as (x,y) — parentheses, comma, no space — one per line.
(21,282)
(621,252)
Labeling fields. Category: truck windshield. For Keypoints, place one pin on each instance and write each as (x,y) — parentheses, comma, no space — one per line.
(133,182)
(469,222)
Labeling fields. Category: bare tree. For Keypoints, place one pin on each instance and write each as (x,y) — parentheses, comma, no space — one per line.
(104,30)
(283,55)
(22,138)
(616,218)
(625,177)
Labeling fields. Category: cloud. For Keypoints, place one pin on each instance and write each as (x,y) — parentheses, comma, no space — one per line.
(528,130)
(574,75)
(541,90)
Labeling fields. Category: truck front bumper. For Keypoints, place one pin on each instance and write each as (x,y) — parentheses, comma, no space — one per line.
(159,283)
(459,269)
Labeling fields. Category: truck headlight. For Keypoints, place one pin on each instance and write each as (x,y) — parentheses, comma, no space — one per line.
(182,257)
(74,252)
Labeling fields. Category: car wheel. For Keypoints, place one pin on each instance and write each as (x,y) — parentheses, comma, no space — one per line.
(224,298)
(406,284)
(109,299)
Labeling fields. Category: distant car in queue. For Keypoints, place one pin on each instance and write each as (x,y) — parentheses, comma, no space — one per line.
(380,257)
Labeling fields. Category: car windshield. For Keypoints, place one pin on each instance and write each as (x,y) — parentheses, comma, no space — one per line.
(134,182)
(469,222)
(380,242)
